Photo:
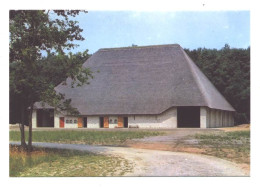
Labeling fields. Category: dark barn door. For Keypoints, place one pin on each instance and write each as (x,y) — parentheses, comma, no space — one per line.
(125,122)
(101,122)
(188,117)
(85,120)
(45,118)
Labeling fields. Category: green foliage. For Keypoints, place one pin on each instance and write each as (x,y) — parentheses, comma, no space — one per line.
(86,137)
(32,31)
(34,76)
(229,70)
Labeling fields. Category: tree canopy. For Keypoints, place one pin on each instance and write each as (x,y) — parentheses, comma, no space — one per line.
(34,75)
(33,32)
(229,70)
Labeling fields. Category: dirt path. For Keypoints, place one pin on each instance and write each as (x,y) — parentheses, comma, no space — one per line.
(178,140)
(161,163)
(183,140)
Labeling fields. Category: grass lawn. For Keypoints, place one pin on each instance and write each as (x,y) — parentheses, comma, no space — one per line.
(55,162)
(85,137)
(234,146)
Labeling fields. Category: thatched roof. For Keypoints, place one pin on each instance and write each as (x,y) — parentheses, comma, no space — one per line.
(143,80)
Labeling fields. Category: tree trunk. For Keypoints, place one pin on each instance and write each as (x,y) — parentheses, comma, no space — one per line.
(30,129)
(21,125)
(23,143)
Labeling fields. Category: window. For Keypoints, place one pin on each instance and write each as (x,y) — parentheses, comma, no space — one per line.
(75,121)
(115,121)
(67,121)
(110,121)
(71,121)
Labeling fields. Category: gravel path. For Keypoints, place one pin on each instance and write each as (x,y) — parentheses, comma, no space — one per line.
(160,163)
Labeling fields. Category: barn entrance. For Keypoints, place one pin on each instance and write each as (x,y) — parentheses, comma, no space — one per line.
(85,122)
(101,122)
(45,118)
(188,117)
(125,122)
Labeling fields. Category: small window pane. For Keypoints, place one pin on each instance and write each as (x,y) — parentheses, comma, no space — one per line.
(75,121)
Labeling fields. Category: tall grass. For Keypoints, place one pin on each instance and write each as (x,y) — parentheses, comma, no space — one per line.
(58,162)
(21,160)
(86,137)
(225,136)
(234,146)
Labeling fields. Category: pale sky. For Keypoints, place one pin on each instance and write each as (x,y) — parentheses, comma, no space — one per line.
(211,29)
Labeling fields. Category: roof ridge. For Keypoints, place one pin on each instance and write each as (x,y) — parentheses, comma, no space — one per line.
(145,46)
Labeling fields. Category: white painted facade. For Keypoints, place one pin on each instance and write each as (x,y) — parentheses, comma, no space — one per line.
(34,119)
(93,122)
(209,118)
(203,117)
(167,119)
(56,120)
(70,122)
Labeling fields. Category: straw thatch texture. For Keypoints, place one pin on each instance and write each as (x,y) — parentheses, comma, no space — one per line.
(143,80)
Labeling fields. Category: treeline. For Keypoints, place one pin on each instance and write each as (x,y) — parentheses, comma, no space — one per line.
(229,70)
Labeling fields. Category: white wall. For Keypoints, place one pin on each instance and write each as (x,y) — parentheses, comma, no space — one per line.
(203,118)
(56,120)
(69,124)
(93,122)
(167,119)
(34,119)
(209,118)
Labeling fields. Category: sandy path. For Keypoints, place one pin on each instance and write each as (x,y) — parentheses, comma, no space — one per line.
(161,163)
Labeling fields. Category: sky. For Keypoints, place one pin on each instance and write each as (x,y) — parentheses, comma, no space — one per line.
(209,29)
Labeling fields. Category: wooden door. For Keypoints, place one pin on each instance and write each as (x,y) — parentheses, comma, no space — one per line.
(106,124)
(80,124)
(61,122)
(120,122)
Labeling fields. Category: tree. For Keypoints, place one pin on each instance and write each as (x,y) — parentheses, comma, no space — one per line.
(34,76)
(229,70)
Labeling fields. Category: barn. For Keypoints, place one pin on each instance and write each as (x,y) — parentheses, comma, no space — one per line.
(140,87)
